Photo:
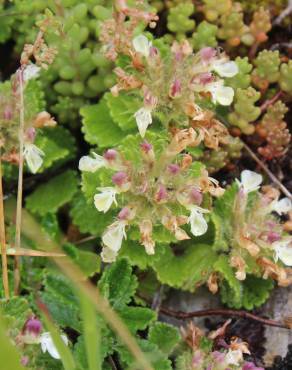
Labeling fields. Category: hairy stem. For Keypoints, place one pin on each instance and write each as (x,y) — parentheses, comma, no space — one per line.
(20,184)
(3,240)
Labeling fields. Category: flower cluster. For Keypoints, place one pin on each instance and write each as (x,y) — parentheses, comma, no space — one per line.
(175,85)
(218,355)
(160,190)
(258,232)
(32,334)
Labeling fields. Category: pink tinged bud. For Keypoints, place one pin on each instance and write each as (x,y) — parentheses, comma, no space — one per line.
(173,169)
(206,78)
(30,134)
(196,196)
(33,326)
(8,113)
(24,360)
(251,366)
(119,178)
(218,356)
(161,194)
(110,155)
(124,214)
(273,236)
(145,146)
(207,54)
(175,89)
(197,359)
(153,52)
(150,100)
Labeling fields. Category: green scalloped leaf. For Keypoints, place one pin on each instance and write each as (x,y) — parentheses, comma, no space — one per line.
(122,110)
(61,301)
(254,292)
(222,266)
(88,262)
(15,311)
(118,284)
(137,318)
(165,336)
(222,217)
(185,270)
(86,216)
(58,145)
(98,125)
(49,197)
(157,359)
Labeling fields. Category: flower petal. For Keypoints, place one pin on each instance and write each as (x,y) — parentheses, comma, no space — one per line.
(89,164)
(225,69)
(108,255)
(143,119)
(250,180)
(142,45)
(47,344)
(104,200)
(31,71)
(283,250)
(197,222)
(282,206)
(33,156)
(113,236)
(223,95)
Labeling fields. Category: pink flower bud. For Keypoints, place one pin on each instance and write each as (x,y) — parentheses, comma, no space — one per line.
(173,168)
(207,54)
(150,100)
(145,146)
(124,213)
(273,237)
(24,360)
(251,366)
(175,89)
(161,194)
(32,326)
(30,134)
(206,78)
(197,358)
(218,356)
(119,178)
(8,113)
(153,52)
(110,154)
(196,196)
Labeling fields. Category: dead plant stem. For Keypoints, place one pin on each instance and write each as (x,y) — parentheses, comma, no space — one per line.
(3,239)
(20,184)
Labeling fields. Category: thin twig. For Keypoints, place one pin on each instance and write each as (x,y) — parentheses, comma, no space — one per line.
(222,312)
(3,240)
(267,171)
(271,101)
(112,363)
(284,14)
(87,239)
(32,253)
(20,183)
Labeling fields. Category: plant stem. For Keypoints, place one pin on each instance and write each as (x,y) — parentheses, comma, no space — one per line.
(223,312)
(271,101)
(20,184)
(3,240)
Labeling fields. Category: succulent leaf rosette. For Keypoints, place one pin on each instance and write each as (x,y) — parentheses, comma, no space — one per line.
(158,187)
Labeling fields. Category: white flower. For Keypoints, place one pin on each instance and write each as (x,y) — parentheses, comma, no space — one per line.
(220,94)
(47,344)
(283,251)
(33,156)
(250,181)
(234,357)
(196,220)
(282,206)
(225,69)
(114,235)
(142,45)
(108,255)
(104,200)
(89,164)
(144,119)
(30,71)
